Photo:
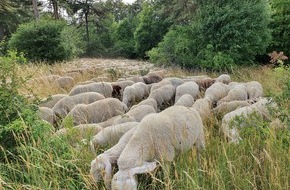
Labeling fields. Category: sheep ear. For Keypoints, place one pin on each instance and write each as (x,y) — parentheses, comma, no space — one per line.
(145,168)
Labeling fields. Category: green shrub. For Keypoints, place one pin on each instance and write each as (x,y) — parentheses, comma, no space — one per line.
(46,40)
(280,26)
(236,31)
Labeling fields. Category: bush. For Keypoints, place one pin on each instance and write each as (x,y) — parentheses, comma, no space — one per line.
(280,26)
(234,31)
(18,119)
(46,40)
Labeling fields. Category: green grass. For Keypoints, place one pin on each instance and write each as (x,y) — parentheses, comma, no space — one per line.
(261,161)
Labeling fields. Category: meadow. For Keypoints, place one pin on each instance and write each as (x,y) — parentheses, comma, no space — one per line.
(260,161)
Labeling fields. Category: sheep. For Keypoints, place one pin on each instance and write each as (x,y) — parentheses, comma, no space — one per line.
(163,95)
(151,79)
(104,88)
(47,114)
(204,83)
(97,112)
(224,78)
(104,161)
(203,107)
(185,100)
(130,116)
(254,89)
(190,88)
(158,137)
(160,84)
(160,73)
(230,125)
(226,107)
(238,92)
(216,92)
(65,105)
(82,131)
(175,81)
(136,92)
(51,101)
(112,134)
(148,101)
(75,75)
(64,82)
(136,114)
(119,86)
(136,79)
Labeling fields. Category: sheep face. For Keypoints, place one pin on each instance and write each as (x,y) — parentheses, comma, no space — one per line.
(101,168)
(96,170)
(124,180)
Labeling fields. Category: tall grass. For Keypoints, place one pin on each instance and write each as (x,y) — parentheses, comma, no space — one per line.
(260,161)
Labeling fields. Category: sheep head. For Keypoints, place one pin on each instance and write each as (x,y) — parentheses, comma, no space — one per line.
(126,179)
(101,169)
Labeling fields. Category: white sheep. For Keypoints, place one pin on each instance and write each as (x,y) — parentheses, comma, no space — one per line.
(97,112)
(119,86)
(216,92)
(185,100)
(66,104)
(82,131)
(104,88)
(158,137)
(190,88)
(224,78)
(238,92)
(226,107)
(51,101)
(254,89)
(203,107)
(132,115)
(65,82)
(112,134)
(47,114)
(230,125)
(101,166)
(163,95)
(160,84)
(135,92)
(136,114)
(148,101)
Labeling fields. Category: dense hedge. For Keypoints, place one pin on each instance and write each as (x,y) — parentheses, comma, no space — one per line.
(46,40)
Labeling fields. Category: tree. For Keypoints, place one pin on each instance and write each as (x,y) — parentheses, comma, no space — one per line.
(35,9)
(150,29)
(280,26)
(228,31)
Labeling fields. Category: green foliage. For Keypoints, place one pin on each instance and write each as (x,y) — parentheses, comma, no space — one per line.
(124,43)
(149,31)
(18,119)
(101,37)
(223,32)
(280,26)
(11,101)
(46,40)
(174,49)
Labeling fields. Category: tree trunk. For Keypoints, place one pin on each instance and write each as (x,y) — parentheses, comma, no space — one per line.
(55,9)
(36,13)
(87,21)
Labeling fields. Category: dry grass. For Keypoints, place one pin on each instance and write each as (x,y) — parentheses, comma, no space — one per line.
(259,162)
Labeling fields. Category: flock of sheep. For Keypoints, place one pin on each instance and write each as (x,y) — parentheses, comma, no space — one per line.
(152,118)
